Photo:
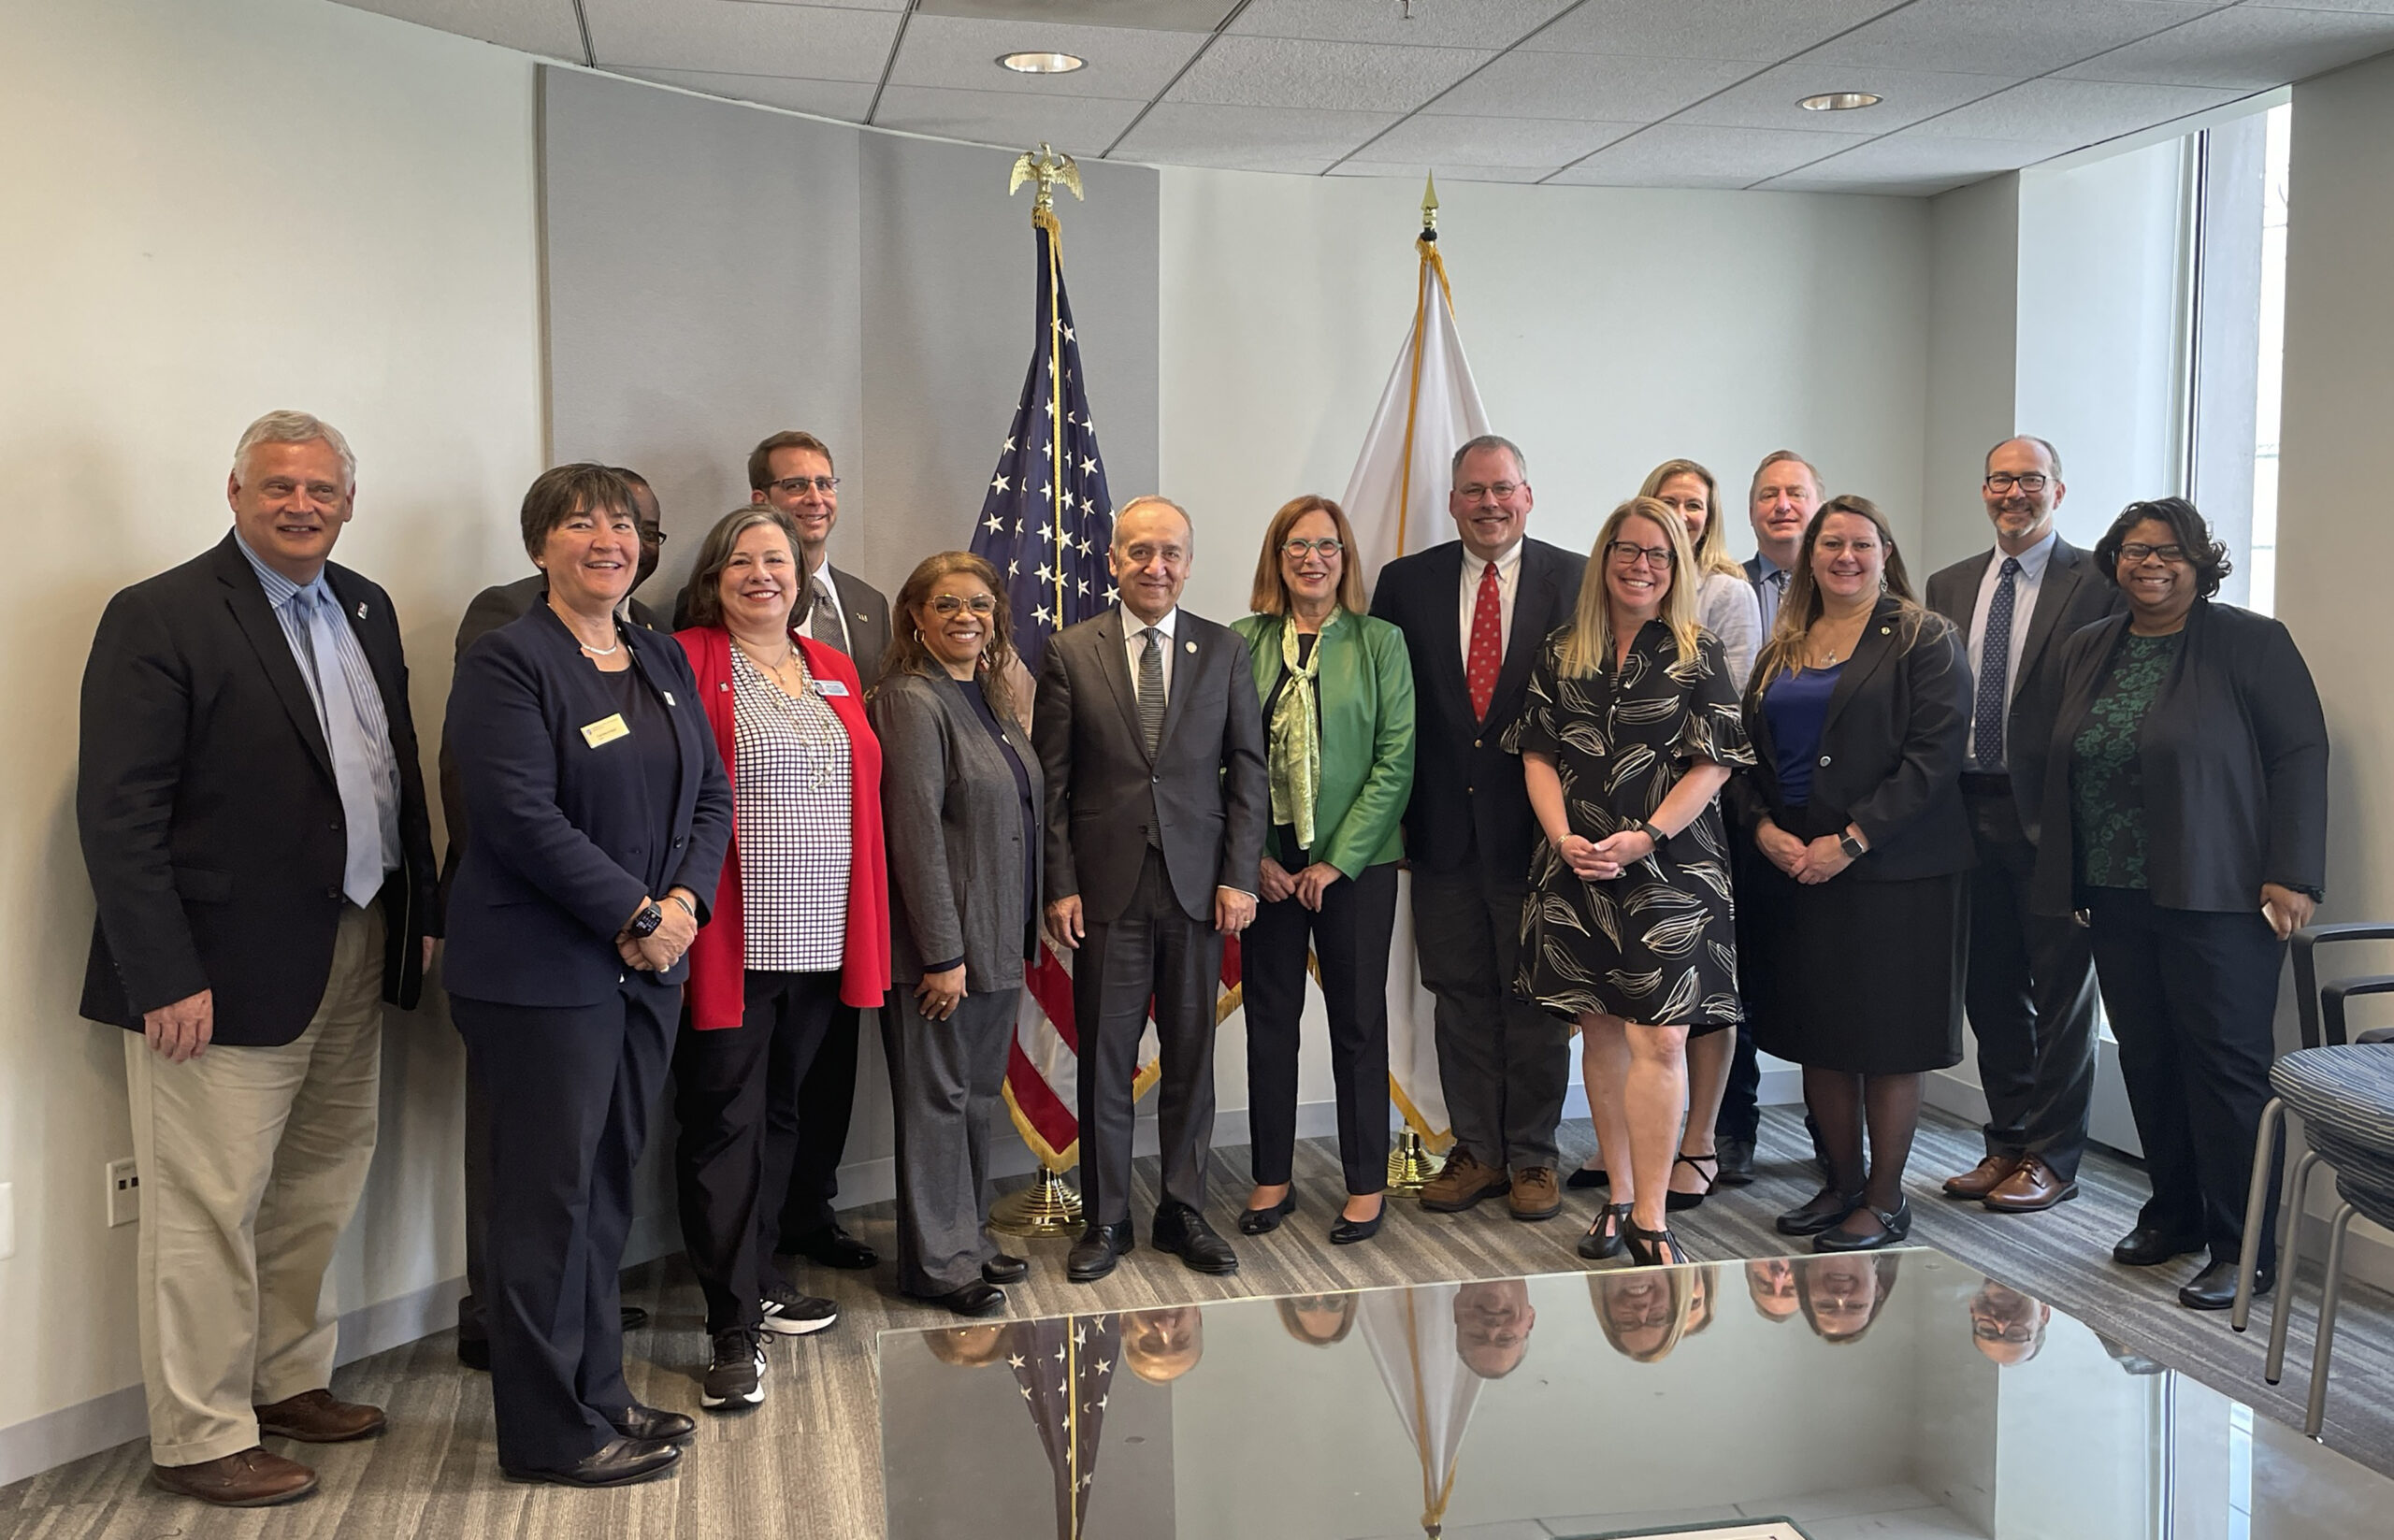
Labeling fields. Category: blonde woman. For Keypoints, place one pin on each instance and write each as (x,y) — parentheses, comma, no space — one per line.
(1631,728)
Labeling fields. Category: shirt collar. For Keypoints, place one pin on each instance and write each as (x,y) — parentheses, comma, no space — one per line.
(1769,568)
(2032,561)
(1133,624)
(280,589)
(1507,565)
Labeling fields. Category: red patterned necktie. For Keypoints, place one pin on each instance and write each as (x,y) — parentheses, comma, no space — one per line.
(1487,641)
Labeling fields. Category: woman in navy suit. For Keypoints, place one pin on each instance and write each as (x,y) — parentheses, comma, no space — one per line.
(601,815)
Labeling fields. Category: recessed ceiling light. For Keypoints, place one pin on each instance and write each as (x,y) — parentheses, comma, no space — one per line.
(1838,101)
(1052,63)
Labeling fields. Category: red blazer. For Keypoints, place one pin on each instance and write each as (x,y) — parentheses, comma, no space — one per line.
(718,972)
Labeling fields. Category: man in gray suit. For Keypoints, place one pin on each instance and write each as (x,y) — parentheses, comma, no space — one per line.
(1151,741)
(2031,983)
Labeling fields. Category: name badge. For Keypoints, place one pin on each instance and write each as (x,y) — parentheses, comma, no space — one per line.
(606,730)
(831,686)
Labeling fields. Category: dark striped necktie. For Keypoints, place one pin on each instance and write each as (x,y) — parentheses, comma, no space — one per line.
(1151,691)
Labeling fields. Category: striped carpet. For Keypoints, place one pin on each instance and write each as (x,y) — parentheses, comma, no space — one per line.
(808,1462)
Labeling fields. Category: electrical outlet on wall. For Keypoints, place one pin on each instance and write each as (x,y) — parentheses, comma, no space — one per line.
(123,1193)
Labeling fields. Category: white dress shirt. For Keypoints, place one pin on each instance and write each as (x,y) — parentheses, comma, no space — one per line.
(1508,582)
(2031,577)
(1135,642)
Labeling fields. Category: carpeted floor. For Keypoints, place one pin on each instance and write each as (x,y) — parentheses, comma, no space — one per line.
(808,1462)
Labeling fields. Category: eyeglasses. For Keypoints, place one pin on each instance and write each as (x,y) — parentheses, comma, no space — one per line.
(948,604)
(2002,481)
(651,534)
(1625,554)
(796,486)
(1501,490)
(2135,552)
(1327,548)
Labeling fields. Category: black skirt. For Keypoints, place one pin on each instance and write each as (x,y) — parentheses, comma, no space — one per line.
(1860,976)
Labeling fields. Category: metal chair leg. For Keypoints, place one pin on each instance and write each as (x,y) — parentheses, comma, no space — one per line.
(2331,1291)
(2256,1199)
(2297,1184)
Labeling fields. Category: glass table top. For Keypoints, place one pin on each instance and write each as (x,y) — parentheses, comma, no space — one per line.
(1898,1395)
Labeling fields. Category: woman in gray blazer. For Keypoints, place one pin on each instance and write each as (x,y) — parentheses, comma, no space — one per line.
(961,794)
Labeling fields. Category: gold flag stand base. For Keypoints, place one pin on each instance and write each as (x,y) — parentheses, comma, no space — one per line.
(1049,1206)
(1409,1164)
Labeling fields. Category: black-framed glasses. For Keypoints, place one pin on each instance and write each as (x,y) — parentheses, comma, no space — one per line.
(652,534)
(1326,547)
(1501,490)
(946,605)
(2135,552)
(1626,553)
(2000,483)
(798,486)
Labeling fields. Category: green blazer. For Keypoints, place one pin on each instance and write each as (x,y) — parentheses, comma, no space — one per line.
(1365,688)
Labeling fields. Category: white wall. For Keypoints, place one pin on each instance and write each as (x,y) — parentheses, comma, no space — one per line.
(1973,354)
(206,212)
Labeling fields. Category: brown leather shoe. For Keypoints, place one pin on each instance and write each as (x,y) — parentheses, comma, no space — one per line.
(313,1417)
(1982,1178)
(2035,1187)
(251,1479)
(1536,1195)
(1464,1182)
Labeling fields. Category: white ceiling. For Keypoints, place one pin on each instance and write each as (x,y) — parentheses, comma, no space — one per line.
(1601,93)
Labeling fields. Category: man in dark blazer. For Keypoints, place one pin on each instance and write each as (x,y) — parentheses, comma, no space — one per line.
(2031,981)
(792,471)
(491,609)
(252,816)
(1473,613)
(1151,743)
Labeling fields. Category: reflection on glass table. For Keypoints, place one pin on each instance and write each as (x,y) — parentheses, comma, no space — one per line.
(1897,1394)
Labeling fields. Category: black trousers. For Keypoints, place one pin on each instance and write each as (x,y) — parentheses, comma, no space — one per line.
(1151,951)
(736,1098)
(473,1316)
(2191,996)
(2030,994)
(1350,938)
(1504,1063)
(570,1092)
(825,1101)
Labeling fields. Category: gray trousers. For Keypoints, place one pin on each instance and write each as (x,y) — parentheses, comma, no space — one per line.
(1505,1064)
(947,1080)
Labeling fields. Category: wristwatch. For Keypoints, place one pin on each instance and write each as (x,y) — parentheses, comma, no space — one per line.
(644,924)
(1650,832)
(1853,847)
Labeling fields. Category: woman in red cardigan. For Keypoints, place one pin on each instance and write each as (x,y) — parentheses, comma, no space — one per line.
(799,925)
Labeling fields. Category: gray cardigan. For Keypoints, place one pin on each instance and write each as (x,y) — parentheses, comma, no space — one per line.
(955,829)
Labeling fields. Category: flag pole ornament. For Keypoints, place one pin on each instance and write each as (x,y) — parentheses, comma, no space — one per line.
(1411,1335)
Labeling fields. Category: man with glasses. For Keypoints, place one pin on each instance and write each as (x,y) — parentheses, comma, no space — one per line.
(2032,982)
(1474,612)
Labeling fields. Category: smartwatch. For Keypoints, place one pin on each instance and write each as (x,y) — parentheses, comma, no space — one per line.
(1851,846)
(644,924)
(1650,832)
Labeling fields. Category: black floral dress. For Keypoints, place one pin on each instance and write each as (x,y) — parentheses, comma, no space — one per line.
(1657,944)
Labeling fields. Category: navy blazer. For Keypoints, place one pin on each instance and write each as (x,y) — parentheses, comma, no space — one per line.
(2235,757)
(1469,799)
(561,853)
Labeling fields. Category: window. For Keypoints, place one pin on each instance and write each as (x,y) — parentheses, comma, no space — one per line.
(2263,553)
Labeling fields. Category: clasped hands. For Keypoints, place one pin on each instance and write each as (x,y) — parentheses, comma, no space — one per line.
(1306,886)
(1810,863)
(661,948)
(1602,860)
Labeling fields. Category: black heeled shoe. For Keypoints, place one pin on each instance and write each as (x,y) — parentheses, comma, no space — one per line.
(1261,1221)
(1349,1232)
(1646,1245)
(1588,1176)
(1893,1227)
(1827,1209)
(1678,1201)
(1603,1241)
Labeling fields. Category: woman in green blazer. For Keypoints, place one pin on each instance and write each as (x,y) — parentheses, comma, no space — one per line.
(1337,688)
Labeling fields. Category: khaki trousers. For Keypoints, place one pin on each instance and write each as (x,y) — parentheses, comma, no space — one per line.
(252,1162)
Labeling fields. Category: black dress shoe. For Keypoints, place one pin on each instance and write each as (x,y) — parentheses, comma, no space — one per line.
(1828,1208)
(1586,1177)
(2214,1286)
(832,1246)
(633,1317)
(622,1462)
(1348,1232)
(1261,1221)
(974,1298)
(1098,1249)
(1002,1269)
(1737,1161)
(1183,1231)
(653,1424)
(1604,1241)
(474,1352)
(1892,1229)
(2146,1246)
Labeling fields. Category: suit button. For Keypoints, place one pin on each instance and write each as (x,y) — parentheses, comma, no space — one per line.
(679,843)
(333,826)
(1155,780)
(1825,759)
(1475,743)
(333,893)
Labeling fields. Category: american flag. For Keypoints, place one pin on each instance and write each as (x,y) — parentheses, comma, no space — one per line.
(1064,1369)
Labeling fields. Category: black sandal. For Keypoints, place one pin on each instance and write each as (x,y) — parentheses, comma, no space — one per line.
(1603,1241)
(1678,1202)
(1646,1245)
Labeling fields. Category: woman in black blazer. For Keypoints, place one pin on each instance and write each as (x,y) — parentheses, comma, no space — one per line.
(2186,818)
(601,815)
(1851,930)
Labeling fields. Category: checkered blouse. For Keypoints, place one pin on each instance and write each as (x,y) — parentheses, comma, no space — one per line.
(791,760)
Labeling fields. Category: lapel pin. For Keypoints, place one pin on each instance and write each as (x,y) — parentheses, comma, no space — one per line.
(1190,645)
(1887,630)
(361,610)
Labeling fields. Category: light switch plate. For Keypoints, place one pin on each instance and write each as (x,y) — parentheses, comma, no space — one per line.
(123,1193)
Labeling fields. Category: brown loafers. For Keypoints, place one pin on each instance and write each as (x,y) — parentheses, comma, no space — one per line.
(1982,1178)
(252,1479)
(2033,1188)
(1464,1181)
(313,1417)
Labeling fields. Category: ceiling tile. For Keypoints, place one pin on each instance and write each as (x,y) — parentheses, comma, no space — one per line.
(1077,125)
(1160,15)
(2252,49)
(1254,138)
(1493,141)
(1769,100)
(1418,170)
(2017,38)
(1450,23)
(1704,29)
(1344,77)
(844,99)
(833,4)
(2380,7)
(1687,155)
(1595,88)
(1123,62)
(801,42)
(535,27)
(2078,112)
(1915,161)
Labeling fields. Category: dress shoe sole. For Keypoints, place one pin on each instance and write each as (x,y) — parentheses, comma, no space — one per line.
(2155,1258)
(567,1479)
(951,1303)
(283,1429)
(746,1400)
(474,1353)
(862,1263)
(2062,1194)
(1734,1179)
(1457,1205)
(992,1274)
(1217,1270)
(1090,1275)
(1351,1233)
(273,1500)
(1533,1216)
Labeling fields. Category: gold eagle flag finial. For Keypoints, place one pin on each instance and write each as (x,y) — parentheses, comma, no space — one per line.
(1046,167)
